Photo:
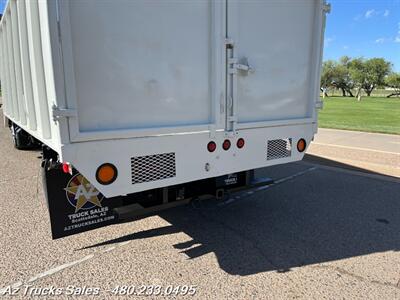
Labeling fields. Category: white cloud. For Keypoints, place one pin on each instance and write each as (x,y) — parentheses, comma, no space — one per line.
(380,41)
(370,13)
(397,38)
(328,41)
(345,47)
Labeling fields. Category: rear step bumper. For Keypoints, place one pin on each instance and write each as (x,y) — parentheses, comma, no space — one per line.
(76,206)
(136,210)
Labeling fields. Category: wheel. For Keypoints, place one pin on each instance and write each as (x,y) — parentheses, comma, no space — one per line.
(21,139)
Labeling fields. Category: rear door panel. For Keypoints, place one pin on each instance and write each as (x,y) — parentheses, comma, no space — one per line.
(276,39)
(142,65)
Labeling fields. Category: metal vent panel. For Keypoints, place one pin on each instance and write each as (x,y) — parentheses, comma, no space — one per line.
(280,148)
(153,167)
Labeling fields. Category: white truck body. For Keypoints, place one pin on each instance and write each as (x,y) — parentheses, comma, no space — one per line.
(146,85)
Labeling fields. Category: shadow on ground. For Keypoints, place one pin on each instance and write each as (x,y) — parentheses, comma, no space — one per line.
(319,217)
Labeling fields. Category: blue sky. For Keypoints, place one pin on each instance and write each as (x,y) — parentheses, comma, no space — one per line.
(368,28)
(2,4)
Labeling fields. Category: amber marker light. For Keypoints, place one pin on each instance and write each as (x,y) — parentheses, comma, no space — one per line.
(301,145)
(106,174)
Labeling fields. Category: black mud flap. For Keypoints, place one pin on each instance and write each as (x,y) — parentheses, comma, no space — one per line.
(75,205)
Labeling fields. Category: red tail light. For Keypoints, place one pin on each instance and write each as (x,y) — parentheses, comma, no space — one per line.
(66,168)
(240,143)
(211,146)
(226,145)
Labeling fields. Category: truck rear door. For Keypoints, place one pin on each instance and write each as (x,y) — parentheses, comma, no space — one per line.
(136,68)
(140,68)
(271,70)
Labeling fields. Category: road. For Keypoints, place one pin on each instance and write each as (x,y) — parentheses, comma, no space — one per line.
(370,151)
(325,230)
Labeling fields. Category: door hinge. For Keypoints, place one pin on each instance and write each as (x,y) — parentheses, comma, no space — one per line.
(63,113)
(232,119)
(239,66)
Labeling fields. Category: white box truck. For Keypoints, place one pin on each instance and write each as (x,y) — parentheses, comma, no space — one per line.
(141,105)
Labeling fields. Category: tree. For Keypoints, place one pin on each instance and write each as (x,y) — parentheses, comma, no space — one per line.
(358,74)
(393,81)
(369,74)
(342,79)
(377,69)
(355,73)
(337,75)
(327,76)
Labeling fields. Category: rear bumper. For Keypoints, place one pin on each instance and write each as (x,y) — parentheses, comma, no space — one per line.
(153,162)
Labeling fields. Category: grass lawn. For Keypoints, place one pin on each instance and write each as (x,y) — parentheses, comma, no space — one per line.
(372,114)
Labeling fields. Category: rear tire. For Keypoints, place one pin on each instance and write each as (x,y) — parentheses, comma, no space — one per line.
(21,139)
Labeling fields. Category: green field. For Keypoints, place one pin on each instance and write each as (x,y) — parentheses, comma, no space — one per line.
(372,114)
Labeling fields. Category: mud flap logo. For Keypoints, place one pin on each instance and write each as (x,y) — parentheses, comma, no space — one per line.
(81,194)
(76,205)
(86,200)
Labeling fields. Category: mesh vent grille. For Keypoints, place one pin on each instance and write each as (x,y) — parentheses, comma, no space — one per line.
(153,167)
(279,149)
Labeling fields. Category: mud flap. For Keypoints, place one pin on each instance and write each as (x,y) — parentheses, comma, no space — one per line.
(75,205)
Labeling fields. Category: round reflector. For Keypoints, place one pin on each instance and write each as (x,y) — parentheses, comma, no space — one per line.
(211,146)
(301,145)
(240,143)
(226,145)
(106,173)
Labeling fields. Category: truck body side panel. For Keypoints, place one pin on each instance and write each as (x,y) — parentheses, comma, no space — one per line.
(27,76)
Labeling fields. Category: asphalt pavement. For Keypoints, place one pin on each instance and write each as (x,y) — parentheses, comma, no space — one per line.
(326,229)
(369,151)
